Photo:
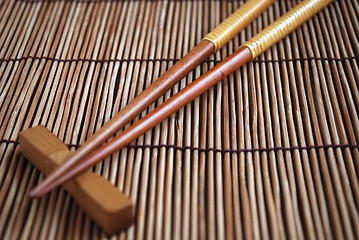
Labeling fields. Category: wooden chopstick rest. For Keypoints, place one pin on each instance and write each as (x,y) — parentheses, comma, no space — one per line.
(98,198)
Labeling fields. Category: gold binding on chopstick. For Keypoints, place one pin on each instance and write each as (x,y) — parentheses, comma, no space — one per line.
(236,22)
(283,26)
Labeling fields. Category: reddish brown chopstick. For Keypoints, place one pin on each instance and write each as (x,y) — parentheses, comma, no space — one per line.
(251,49)
(209,45)
(176,102)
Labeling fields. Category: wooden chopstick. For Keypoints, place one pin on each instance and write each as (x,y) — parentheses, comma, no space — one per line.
(209,45)
(249,50)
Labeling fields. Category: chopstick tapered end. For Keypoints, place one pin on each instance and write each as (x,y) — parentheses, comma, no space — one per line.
(38,191)
(43,187)
(33,193)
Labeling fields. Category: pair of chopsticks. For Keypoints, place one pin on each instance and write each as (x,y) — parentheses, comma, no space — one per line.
(87,155)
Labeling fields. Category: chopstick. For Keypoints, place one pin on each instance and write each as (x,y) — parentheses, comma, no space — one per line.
(212,42)
(248,51)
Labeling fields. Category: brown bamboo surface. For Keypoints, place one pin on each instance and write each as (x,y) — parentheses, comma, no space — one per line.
(270,152)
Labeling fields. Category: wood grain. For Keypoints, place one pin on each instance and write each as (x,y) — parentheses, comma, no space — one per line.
(99,199)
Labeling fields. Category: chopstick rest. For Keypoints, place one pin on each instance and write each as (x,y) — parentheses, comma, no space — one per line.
(98,198)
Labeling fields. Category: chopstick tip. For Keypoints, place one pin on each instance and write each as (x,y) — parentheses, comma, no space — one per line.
(34,193)
(40,191)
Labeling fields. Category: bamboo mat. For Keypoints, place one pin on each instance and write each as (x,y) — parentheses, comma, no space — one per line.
(270,152)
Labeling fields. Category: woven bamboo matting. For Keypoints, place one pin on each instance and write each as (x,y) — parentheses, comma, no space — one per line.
(270,152)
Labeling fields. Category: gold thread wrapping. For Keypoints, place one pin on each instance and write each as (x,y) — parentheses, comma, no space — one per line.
(236,22)
(284,25)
